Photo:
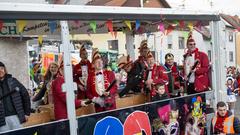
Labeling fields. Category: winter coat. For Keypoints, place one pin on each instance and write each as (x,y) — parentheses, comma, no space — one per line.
(20,100)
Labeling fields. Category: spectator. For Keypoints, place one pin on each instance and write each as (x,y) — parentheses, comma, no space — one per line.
(15,101)
(224,122)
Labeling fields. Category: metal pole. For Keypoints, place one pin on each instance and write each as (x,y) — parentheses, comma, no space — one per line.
(216,63)
(68,86)
(141,3)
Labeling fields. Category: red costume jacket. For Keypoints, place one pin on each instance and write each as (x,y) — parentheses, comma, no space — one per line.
(59,99)
(91,89)
(157,77)
(77,73)
(201,81)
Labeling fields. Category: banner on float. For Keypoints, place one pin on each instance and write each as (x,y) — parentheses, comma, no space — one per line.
(10,28)
(174,116)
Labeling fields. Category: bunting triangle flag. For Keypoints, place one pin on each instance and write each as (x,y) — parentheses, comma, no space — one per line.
(21,24)
(40,40)
(93,25)
(161,27)
(190,26)
(110,26)
(128,23)
(1,24)
(137,25)
(52,25)
(170,28)
(181,24)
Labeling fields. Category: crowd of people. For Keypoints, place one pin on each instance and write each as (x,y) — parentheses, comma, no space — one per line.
(101,86)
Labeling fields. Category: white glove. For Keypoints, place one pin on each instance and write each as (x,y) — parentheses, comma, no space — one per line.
(83,103)
(99,101)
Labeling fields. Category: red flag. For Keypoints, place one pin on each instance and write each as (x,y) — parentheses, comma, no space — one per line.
(1,24)
(110,26)
(170,28)
(181,24)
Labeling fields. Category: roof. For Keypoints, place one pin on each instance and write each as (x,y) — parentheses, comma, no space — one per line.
(130,3)
(79,12)
(232,20)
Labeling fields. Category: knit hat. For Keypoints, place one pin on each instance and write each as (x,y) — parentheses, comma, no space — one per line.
(1,64)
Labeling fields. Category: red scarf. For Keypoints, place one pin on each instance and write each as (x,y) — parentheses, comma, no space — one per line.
(220,122)
(189,52)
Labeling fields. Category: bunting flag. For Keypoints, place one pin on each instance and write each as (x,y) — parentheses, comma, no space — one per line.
(128,23)
(199,25)
(40,40)
(52,25)
(21,24)
(161,27)
(181,24)
(93,25)
(137,25)
(190,26)
(175,22)
(170,28)
(115,34)
(1,24)
(77,23)
(110,26)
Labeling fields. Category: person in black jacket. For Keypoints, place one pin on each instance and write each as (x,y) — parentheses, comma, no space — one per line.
(137,76)
(14,101)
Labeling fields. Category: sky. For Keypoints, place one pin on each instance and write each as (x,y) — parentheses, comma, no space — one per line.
(231,7)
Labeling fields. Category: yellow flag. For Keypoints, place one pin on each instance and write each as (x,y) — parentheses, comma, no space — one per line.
(40,39)
(190,26)
(35,133)
(21,24)
(128,23)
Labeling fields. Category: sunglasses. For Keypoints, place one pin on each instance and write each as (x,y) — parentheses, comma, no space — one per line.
(191,44)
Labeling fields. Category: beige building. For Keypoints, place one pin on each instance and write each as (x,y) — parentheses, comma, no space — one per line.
(238,49)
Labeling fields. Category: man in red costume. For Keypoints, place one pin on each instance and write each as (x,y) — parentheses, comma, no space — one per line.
(97,83)
(197,77)
(80,73)
(153,75)
(59,97)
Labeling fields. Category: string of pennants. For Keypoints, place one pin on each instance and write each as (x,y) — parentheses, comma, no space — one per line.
(136,26)
(165,27)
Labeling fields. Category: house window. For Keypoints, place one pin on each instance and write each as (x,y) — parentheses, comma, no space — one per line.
(230,36)
(231,56)
(113,45)
(169,40)
(181,42)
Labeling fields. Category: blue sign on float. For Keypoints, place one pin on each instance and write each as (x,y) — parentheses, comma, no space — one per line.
(109,126)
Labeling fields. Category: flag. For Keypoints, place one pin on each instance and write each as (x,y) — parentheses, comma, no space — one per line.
(128,23)
(93,25)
